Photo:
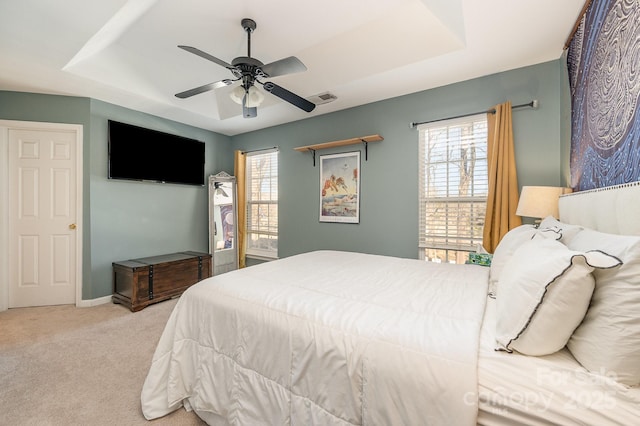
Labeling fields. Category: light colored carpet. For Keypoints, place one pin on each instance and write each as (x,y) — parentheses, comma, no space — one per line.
(62,365)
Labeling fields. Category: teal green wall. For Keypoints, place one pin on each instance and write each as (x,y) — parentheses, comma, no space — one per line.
(125,220)
(138,219)
(389,184)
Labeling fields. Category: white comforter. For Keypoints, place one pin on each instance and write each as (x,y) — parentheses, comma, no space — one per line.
(324,338)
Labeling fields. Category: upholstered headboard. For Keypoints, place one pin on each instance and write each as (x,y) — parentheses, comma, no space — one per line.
(613,209)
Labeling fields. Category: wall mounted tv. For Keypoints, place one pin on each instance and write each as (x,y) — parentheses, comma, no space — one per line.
(136,153)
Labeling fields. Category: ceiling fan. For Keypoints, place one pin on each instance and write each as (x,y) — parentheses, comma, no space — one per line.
(249,71)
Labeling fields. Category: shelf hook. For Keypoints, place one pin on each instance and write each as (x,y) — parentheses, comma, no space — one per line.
(313,151)
(366,149)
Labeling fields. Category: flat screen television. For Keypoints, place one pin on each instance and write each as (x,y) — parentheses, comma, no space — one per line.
(136,153)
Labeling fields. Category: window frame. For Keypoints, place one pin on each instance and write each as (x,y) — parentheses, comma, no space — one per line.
(250,203)
(451,242)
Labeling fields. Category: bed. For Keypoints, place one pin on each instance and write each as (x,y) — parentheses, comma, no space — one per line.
(549,334)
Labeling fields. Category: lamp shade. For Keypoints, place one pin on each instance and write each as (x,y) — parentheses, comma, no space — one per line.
(540,201)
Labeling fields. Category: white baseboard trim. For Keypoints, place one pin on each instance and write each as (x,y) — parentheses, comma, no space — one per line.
(94,302)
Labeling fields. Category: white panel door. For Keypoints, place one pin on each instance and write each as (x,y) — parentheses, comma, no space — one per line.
(42,217)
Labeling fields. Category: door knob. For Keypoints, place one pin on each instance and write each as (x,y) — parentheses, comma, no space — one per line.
(72,226)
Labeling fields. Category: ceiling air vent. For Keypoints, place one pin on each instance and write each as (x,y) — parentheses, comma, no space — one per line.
(322,98)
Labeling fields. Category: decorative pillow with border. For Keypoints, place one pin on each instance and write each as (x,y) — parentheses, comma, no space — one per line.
(608,340)
(509,243)
(544,295)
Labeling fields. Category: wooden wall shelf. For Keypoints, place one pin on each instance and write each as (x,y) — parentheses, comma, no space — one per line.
(325,145)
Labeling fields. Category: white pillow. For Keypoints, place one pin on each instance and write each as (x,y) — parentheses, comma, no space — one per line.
(544,295)
(608,340)
(565,231)
(508,244)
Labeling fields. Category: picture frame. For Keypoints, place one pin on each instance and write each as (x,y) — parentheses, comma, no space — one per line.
(340,187)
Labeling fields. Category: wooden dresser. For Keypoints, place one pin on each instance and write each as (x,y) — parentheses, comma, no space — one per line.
(138,283)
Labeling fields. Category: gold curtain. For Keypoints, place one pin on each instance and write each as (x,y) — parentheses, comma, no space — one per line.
(239,172)
(502,199)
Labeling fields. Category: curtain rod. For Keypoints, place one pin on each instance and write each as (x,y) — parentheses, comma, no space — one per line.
(261,149)
(532,104)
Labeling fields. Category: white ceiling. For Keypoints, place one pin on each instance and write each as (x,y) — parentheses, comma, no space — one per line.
(125,52)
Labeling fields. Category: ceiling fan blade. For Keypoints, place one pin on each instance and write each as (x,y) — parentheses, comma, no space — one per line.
(288,96)
(206,56)
(202,89)
(284,66)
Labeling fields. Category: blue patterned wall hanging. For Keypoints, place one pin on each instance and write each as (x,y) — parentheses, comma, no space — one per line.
(604,76)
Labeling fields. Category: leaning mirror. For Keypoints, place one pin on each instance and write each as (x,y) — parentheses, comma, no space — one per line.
(222,222)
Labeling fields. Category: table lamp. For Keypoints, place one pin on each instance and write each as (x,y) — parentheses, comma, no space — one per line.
(540,201)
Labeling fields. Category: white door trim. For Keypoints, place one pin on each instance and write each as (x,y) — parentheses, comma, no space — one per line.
(5,126)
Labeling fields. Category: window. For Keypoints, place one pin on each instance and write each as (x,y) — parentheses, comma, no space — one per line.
(262,204)
(453,188)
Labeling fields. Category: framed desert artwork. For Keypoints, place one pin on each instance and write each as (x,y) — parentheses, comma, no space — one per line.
(340,187)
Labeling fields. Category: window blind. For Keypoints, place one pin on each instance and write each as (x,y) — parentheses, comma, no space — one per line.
(262,203)
(453,184)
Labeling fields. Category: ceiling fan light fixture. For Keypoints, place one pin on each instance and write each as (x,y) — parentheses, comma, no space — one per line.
(254,96)
(237,94)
